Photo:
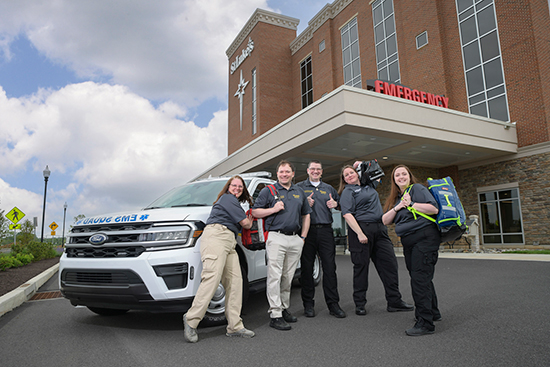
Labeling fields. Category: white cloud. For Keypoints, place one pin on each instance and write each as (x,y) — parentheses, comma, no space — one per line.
(117,150)
(174,49)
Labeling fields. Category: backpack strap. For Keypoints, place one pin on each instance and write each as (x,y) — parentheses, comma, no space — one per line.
(414,211)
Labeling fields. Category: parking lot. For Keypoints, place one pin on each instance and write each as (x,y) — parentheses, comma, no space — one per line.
(495,313)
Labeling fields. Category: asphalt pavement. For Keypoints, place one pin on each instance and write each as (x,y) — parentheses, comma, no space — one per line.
(495,313)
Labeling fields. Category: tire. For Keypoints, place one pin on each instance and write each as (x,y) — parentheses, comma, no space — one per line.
(215,313)
(316,272)
(107,311)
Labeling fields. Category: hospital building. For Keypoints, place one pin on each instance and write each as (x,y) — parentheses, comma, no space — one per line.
(457,88)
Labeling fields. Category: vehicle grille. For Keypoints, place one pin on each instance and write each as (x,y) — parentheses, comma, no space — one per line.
(101,277)
(112,227)
(112,238)
(105,252)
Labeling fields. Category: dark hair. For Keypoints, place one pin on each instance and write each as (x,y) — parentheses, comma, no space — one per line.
(285,162)
(342,181)
(394,190)
(314,161)
(245,196)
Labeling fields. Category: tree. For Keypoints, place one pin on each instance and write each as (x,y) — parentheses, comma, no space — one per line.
(77,218)
(4,226)
(26,235)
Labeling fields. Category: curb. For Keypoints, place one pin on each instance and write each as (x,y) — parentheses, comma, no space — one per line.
(24,292)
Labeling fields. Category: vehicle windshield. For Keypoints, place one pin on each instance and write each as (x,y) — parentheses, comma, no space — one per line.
(201,193)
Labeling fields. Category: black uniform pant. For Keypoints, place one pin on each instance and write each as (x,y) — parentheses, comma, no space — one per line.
(421,252)
(379,249)
(319,241)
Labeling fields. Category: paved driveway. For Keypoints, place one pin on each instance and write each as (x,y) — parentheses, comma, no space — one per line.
(495,313)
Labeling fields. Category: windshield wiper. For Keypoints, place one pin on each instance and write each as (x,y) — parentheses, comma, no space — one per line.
(190,204)
(153,207)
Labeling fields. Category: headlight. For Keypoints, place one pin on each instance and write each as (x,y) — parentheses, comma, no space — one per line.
(165,236)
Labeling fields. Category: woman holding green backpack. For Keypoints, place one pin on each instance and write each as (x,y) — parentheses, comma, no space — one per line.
(420,239)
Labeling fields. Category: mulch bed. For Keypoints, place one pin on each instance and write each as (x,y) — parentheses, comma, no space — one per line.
(14,277)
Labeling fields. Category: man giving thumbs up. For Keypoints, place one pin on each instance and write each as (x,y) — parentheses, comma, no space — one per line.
(321,198)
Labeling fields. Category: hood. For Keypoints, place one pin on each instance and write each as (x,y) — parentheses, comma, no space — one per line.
(150,215)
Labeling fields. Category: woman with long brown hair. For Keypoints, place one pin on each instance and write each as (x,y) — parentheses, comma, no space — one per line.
(220,261)
(420,239)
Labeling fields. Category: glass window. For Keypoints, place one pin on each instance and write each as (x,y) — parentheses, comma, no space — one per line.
(350,54)
(474,79)
(501,217)
(498,108)
(471,55)
(254,120)
(493,74)
(422,39)
(306,82)
(463,4)
(468,30)
(482,59)
(489,46)
(486,19)
(386,40)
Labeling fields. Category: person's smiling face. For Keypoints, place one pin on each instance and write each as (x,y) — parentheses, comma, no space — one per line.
(285,175)
(402,178)
(314,171)
(350,176)
(236,187)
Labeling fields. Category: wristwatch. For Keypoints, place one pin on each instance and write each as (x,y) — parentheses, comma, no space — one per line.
(411,204)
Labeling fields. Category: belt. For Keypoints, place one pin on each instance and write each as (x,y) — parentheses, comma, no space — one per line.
(320,226)
(287,233)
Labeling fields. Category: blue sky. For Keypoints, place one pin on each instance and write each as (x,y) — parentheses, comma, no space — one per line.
(122,100)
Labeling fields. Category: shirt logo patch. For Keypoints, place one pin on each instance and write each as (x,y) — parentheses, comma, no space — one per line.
(322,192)
(296,196)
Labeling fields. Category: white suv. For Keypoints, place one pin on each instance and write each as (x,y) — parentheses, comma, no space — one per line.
(150,259)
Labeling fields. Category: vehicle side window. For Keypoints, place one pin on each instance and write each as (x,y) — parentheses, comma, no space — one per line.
(257,191)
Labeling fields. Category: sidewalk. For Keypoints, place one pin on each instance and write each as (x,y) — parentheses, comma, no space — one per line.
(24,292)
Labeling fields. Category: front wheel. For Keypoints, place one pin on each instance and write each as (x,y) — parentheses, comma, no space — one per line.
(215,313)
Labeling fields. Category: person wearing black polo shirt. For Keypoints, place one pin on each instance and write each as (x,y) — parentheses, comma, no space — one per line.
(320,240)
(420,238)
(368,240)
(220,261)
(288,223)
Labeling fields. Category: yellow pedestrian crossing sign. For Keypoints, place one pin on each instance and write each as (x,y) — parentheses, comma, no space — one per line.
(15,226)
(53,226)
(15,215)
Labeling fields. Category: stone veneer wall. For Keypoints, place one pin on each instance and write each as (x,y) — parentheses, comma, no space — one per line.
(532,175)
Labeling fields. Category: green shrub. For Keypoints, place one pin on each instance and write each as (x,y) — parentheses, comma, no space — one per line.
(24,258)
(6,262)
(39,250)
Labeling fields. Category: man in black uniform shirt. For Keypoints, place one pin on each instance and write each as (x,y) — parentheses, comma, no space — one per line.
(321,198)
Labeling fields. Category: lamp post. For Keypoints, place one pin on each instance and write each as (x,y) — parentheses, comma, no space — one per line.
(46,173)
(64,215)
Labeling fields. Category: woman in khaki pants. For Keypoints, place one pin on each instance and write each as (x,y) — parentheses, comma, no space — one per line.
(220,261)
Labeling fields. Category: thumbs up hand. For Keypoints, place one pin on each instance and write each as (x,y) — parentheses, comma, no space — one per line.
(331,203)
(310,200)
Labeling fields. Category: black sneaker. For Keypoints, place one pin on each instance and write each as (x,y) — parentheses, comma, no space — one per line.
(289,317)
(360,310)
(279,323)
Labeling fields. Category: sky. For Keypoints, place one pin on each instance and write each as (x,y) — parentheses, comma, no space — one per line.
(122,100)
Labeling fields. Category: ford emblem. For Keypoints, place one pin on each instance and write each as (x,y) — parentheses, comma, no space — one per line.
(98,239)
